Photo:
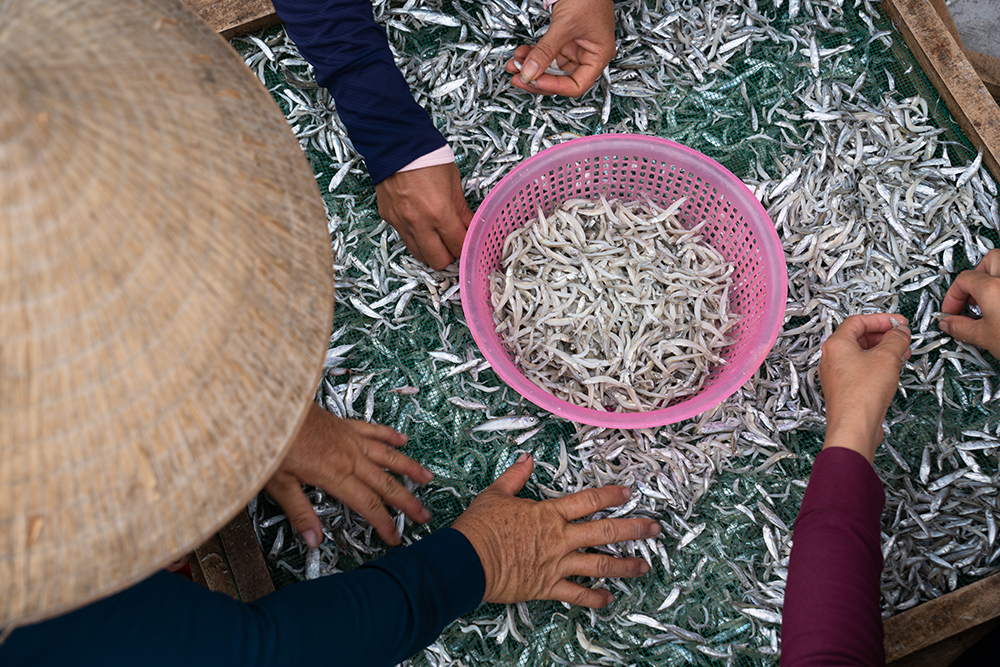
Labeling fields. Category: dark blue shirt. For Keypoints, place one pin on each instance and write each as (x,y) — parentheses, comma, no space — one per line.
(350,54)
(379,614)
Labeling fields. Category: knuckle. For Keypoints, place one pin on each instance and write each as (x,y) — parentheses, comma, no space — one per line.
(605,566)
(886,355)
(301,517)
(640,530)
(387,486)
(608,533)
(391,457)
(991,289)
(371,505)
(580,597)
(829,345)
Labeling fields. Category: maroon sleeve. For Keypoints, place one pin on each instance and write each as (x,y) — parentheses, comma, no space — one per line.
(831,614)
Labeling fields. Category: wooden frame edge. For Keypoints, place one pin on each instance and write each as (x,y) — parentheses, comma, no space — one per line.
(951,73)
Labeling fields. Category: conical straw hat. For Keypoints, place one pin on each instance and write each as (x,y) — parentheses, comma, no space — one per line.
(165,293)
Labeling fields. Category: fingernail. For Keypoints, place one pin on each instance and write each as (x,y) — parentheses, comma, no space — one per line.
(528,72)
(644,567)
(522,458)
(905,329)
(427,473)
(311,538)
(425,515)
(627,493)
(943,326)
(655,530)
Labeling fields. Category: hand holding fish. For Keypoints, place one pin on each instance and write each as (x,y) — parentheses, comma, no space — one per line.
(580,39)
(975,288)
(859,372)
(528,548)
(428,209)
(347,459)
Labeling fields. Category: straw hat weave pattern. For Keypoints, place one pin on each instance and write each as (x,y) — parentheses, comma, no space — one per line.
(165,293)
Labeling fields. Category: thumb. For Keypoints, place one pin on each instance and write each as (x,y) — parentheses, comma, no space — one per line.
(965,329)
(287,491)
(544,52)
(513,479)
(896,341)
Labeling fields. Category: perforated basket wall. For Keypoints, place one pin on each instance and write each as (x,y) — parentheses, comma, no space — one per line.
(630,167)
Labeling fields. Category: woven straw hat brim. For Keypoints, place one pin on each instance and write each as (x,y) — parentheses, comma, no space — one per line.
(165,293)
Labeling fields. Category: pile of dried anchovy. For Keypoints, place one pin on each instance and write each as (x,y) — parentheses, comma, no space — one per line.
(772,90)
(878,219)
(613,306)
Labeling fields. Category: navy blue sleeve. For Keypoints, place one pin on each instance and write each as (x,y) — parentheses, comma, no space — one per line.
(379,614)
(831,614)
(350,55)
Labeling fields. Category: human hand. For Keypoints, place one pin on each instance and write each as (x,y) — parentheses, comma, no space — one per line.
(428,209)
(528,548)
(347,459)
(859,372)
(976,288)
(580,38)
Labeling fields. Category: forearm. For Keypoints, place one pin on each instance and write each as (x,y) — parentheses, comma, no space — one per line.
(350,55)
(380,614)
(831,614)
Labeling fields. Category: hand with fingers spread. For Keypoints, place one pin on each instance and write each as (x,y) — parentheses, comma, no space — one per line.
(975,288)
(348,459)
(580,38)
(428,209)
(528,548)
(859,372)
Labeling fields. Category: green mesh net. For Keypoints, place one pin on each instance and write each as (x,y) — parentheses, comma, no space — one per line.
(761,88)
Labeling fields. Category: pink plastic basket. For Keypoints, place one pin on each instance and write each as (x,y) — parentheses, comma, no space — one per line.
(629,167)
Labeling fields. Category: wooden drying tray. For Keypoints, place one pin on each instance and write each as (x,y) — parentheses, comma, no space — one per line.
(947,66)
(933,633)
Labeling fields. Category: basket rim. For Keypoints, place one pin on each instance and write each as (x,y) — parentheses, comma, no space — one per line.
(773,268)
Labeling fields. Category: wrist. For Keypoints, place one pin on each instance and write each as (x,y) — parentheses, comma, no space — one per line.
(857,436)
(482,551)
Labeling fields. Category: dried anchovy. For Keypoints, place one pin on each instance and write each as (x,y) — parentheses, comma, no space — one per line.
(613,306)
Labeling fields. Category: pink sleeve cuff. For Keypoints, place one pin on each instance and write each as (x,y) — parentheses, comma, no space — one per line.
(443,155)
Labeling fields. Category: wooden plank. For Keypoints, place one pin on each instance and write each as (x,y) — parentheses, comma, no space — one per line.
(945,652)
(197,576)
(234,18)
(988,69)
(943,618)
(942,11)
(211,560)
(944,63)
(246,561)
